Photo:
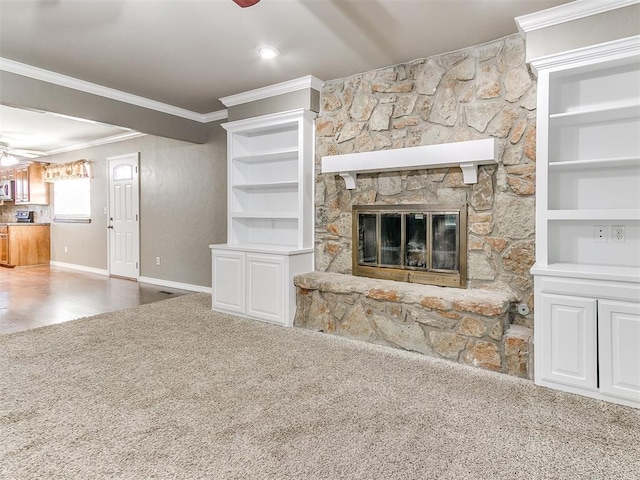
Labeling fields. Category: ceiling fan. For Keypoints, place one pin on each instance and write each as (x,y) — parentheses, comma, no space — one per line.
(7,154)
(245,3)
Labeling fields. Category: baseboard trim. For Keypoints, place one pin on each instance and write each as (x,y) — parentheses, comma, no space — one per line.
(153,281)
(82,268)
(177,285)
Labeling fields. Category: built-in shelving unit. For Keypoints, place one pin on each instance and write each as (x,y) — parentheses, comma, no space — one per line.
(270,180)
(589,159)
(587,270)
(270,216)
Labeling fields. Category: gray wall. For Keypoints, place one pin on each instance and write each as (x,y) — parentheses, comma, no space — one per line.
(25,92)
(307,98)
(592,30)
(182,207)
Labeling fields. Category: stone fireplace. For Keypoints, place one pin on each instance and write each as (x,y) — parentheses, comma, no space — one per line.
(483,92)
(411,243)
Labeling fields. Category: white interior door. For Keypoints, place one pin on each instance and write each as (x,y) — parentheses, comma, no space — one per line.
(124,222)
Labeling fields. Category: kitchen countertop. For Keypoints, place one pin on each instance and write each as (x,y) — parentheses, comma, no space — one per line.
(23,224)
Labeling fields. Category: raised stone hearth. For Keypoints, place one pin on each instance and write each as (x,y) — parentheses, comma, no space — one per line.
(471,326)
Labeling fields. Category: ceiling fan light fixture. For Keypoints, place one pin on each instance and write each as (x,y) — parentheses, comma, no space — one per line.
(267,52)
(7,160)
(245,3)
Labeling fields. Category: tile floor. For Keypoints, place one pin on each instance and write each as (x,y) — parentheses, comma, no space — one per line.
(31,297)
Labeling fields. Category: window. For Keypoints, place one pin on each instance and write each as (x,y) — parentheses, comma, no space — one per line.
(72,200)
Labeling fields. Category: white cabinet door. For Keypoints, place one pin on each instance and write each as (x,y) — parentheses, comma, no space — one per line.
(619,340)
(265,287)
(228,281)
(569,340)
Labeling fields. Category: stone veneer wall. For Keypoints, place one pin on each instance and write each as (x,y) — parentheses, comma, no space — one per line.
(463,325)
(485,91)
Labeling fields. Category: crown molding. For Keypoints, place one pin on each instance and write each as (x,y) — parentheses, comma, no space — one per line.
(215,116)
(271,91)
(568,12)
(48,76)
(619,48)
(94,143)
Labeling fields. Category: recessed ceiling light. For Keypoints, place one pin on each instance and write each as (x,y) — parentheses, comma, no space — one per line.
(265,51)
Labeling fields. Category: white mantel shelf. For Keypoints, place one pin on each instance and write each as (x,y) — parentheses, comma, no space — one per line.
(466,155)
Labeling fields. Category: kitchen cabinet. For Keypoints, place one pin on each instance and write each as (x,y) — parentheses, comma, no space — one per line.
(258,283)
(30,187)
(23,245)
(7,174)
(4,245)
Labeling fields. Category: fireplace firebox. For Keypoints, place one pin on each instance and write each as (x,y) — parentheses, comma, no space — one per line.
(411,243)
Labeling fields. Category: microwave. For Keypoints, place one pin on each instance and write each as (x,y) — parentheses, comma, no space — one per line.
(6,189)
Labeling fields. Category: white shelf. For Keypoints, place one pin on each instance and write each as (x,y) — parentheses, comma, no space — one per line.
(593,214)
(596,114)
(271,156)
(596,163)
(466,155)
(274,215)
(266,185)
(595,272)
(262,248)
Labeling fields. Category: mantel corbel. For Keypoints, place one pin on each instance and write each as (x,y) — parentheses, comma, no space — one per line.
(466,155)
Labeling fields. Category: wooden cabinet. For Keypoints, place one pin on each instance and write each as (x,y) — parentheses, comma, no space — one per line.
(4,245)
(569,326)
(618,337)
(265,284)
(30,187)
(270,216)
(228,278)
(22,245)
(587,337)
(258,283)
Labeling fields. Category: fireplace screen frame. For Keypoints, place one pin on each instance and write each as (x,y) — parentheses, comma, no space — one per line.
(404,273)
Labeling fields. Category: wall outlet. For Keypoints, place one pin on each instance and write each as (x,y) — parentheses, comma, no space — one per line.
(66,249)
(157,260)
(617,233)
(601,234)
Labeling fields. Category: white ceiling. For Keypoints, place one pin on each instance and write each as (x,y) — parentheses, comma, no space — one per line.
(43,133)
(190,53)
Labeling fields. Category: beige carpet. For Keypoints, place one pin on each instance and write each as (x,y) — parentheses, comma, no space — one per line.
(173,390)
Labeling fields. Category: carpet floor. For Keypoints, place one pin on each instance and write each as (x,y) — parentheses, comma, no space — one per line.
(174,390)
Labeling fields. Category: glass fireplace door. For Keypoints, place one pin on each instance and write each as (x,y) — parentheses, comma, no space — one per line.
(391,240)
(411,243)
(444,242)
(416,240)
